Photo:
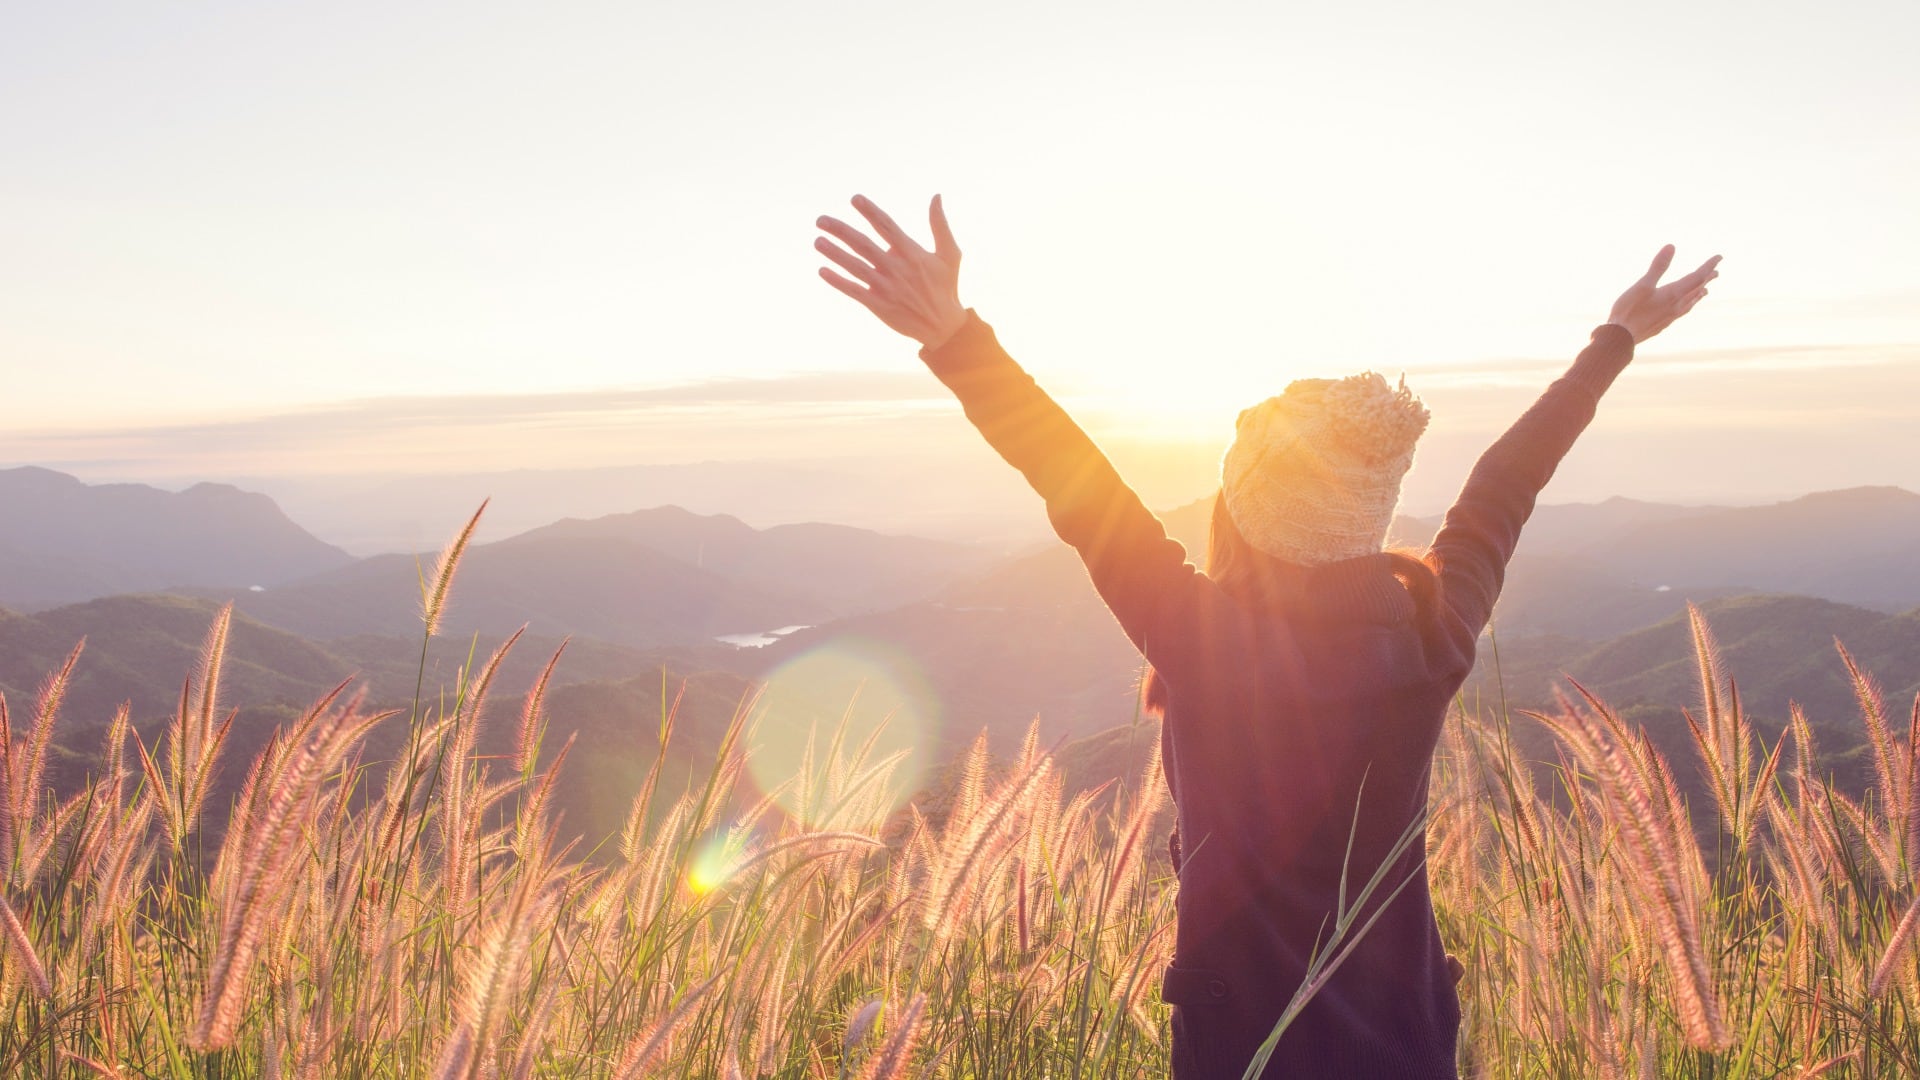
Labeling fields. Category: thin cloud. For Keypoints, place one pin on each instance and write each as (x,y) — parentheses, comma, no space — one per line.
(1777,358)
(717,418)
(895,414)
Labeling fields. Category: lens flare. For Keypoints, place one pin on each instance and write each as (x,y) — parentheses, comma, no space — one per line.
(712,864)
(854,699)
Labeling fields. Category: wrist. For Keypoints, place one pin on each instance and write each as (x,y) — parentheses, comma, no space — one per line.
(1610,351)
(942,332)
(963,349)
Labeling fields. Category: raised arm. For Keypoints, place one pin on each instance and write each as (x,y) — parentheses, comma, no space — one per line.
(1481,530)
(1142,574)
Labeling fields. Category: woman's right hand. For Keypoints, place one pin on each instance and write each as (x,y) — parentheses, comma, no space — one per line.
(911,289)
(1648,307)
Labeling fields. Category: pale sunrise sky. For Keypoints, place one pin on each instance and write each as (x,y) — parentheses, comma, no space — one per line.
(257,220)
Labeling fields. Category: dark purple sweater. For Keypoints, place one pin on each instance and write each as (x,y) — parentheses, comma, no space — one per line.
(1277,711)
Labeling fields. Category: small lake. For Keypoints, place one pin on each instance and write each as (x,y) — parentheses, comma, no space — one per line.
(760,640)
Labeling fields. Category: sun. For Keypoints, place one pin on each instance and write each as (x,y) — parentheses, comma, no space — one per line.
(1153,406)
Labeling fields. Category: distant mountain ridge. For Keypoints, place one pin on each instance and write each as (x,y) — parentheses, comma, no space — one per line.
(64,541)
(1030,635)
(993,642)
(645,579)
(139,649)
(1857,545)
(998,639)
(845,569)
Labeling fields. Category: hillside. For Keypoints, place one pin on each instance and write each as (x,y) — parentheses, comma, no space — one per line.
(844,570)
(1580,596)
(140,649)
(63,541)
(1778,649)
(647,579)
(617,725)
(601,587)
(1031,637)
(1024,637)
(1858,546)
(1575,528)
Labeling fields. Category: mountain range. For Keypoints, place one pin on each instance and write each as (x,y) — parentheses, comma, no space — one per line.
(63,541)
(980,639)
(643,579)
(666,575)
(139,649)
(1858,546)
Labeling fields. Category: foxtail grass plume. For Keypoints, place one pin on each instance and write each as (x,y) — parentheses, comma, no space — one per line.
(1659,876)
(97,1068)
(23,767)
(891,1060)
(533,719)
(20,947)
(647,1047)
(859,1025)
(1019,934)
(1899,951)
(434,590)
(259,858)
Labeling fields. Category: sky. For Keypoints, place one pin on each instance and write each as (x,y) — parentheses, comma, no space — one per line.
(259,241)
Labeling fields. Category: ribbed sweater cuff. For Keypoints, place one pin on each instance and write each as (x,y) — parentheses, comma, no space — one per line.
(1602,361)
(971,347)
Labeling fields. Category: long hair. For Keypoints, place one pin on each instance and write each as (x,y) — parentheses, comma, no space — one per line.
(1250,575)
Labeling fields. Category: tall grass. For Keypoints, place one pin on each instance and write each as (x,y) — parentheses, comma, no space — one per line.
(1609,929)
(428,916)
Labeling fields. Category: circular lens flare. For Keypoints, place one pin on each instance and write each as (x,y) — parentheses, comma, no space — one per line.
(843,733)
(711,865)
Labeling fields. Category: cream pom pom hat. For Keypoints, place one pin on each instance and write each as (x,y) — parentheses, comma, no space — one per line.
(1314,474)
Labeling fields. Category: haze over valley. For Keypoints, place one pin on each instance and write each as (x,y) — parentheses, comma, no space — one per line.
(966,637)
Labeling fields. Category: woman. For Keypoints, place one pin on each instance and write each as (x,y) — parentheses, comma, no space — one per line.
(1303,680)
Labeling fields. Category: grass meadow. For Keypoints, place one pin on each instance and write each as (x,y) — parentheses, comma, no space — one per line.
(429,916)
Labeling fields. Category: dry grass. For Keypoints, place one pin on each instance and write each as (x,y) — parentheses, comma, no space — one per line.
(1601,940)
(425,917)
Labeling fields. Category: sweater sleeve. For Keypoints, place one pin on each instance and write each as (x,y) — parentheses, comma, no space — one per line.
(1141,573)
(1481,530)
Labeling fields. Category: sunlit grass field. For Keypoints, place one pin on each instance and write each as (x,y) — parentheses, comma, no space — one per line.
(431,917)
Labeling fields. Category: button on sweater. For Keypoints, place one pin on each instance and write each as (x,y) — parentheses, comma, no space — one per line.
(1299,729)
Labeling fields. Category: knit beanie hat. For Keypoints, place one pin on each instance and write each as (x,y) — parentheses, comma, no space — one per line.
(1314,474)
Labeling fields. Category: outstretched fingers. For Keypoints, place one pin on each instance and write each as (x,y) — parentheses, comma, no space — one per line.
(1648,307)
(852,237)
(912,290)
(864,295)
(944,244)
(859,268)
(1704,274)
(1661,262)
(889,230)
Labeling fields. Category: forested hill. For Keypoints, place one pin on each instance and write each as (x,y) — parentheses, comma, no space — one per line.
(63,541)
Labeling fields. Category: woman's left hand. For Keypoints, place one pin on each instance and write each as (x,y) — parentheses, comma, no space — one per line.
(1648,307)
(911,289)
